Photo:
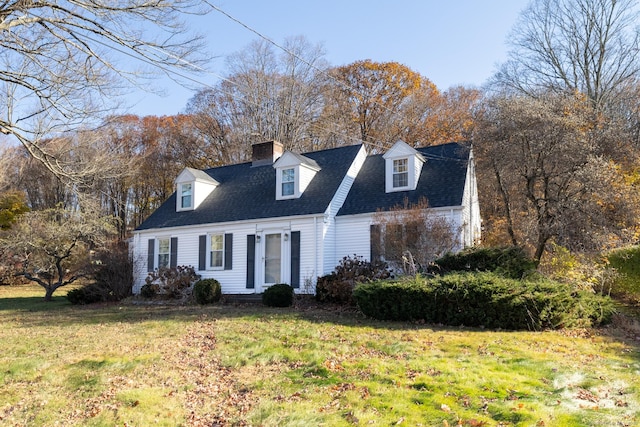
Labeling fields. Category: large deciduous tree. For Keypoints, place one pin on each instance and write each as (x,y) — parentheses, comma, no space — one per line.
(539,158)
(62,63)
(51,247)
(380,103)
(265,96)
(375,95)
(589,46)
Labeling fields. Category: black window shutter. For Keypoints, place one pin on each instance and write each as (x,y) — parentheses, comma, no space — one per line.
(412,237)
(202,252)
(228,251)
(393,242)
(173,262)
(251,261)
(295,259)
(151,255)
(375,243)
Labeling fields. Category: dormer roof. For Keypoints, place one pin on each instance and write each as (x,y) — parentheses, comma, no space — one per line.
(248,193)
(402,149)
(191,174)
(290,159)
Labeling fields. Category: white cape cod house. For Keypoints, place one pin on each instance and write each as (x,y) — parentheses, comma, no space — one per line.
(289,218)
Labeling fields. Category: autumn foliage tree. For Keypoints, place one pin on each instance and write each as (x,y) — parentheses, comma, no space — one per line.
(539,159)
(12,205)
(380,103)
(63,64)
(155,149)
(374,95)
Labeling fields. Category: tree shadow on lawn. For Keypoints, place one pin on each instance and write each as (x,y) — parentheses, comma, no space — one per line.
(34,311)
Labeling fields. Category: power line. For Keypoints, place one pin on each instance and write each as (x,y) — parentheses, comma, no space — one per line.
(381,144)
(143,57)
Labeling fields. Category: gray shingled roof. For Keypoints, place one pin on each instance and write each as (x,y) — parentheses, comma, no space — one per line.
(306,160)
(247,192)
(202,175)
(441,182)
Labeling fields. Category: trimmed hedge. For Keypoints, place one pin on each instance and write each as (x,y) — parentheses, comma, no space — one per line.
(207,291)
(483,300)
(278,295)
(509,261)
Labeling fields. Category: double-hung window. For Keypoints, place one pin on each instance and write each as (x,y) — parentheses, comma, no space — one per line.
(400,173)
(164,252)
(216,250)
(186,195)
(288,182)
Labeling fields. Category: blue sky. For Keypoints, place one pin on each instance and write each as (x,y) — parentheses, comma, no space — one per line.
(450,42)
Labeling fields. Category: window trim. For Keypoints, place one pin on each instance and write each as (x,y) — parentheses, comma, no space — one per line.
(159,254)
(397,173)
(183,196)
(180,190)
(291,181)
(210,252)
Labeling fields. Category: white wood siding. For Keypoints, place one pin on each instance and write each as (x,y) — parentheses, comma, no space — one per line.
(331,237)
(234,281)
(306,176)
(354,232)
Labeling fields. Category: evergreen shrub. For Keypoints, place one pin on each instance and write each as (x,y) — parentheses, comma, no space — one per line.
(278,295)
(88,294)
(207,291)
(483,300)
(509,261)
(626,262)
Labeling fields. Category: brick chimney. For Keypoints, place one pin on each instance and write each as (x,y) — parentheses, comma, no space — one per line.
(265,153)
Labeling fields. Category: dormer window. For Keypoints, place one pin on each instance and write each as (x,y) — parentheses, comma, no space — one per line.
(403,165)
(400,173)
(192,187)
(294,173)
(288,182)
(186,196)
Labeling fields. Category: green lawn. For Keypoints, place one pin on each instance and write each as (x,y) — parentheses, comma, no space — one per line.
(131,365)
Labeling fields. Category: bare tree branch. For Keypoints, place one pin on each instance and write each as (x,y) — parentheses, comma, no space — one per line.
(66,62)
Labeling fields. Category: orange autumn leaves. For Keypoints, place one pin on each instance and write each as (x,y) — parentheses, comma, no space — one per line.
(388,101)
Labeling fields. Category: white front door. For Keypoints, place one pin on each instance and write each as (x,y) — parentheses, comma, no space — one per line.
(272,259)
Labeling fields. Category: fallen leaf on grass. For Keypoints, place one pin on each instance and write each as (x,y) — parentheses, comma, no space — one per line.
(587,395)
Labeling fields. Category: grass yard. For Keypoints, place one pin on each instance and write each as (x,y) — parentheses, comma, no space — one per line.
(131,365)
